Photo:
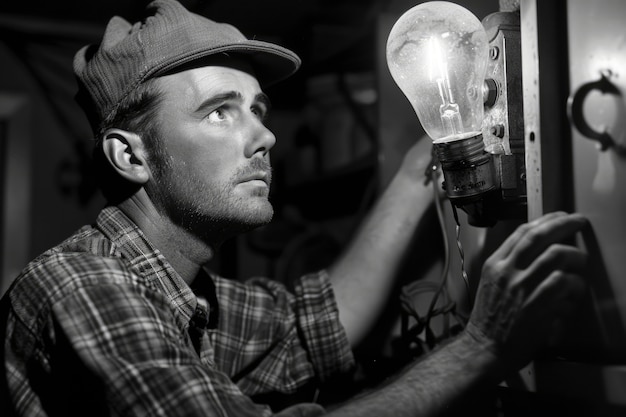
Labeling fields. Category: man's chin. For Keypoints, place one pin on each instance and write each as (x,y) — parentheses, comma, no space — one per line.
(265,217)
(258,214)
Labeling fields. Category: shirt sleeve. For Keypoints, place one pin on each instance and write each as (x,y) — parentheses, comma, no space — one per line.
(318,319)
(120,343)
(273,340)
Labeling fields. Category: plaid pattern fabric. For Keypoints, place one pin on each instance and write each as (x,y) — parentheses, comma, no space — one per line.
(100,325)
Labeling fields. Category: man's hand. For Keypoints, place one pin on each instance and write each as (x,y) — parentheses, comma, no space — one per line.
(530,281)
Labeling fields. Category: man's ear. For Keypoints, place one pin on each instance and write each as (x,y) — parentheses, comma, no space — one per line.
(126,153)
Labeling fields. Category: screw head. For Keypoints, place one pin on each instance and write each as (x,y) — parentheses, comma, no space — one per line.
(494,52)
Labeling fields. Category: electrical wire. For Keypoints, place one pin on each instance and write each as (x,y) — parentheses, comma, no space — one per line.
(462,256)
(409,291)
(411,334)
(446,263)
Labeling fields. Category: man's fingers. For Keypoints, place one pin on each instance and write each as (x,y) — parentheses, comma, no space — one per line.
(531,239)
(557,257)
(540,238)
(507,246)
(555,296)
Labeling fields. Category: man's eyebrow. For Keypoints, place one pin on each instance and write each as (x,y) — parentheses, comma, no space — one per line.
(264,99)
(218,99)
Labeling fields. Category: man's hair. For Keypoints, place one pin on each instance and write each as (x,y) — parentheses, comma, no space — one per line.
(136,113)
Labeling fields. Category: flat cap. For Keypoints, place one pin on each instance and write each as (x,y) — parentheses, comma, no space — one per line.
(167,36)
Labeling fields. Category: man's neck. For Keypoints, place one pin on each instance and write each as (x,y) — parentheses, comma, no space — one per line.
(185,252)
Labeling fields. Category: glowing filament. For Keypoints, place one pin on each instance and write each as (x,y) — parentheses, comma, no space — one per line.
(449,109)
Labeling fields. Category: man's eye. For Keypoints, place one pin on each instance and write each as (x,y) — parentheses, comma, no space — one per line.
(260,112)
(216,115)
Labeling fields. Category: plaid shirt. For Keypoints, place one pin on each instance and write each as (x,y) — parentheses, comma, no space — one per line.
(102,325)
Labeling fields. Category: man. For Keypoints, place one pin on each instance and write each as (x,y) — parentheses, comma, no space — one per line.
(122,318)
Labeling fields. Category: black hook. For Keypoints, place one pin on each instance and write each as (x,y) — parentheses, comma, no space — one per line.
(577,117)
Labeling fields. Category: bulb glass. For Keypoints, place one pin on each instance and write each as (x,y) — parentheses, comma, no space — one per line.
(437,54)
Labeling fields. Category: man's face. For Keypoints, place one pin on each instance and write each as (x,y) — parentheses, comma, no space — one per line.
(216,174)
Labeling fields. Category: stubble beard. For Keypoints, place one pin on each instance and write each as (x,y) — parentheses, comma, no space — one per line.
(213,213)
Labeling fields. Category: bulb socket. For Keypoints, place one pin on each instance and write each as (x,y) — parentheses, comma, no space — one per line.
(468,170)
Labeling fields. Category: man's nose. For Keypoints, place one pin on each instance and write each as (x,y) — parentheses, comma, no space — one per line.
(262,141)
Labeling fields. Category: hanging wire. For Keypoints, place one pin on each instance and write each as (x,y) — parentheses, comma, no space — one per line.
(410,334)
(446,264)
(461,255)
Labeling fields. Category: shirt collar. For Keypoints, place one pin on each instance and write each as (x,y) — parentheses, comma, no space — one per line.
(131,244)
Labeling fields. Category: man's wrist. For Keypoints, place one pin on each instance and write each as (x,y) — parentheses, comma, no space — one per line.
(484,349)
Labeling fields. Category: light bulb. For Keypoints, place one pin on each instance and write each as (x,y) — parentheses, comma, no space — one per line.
(437,54)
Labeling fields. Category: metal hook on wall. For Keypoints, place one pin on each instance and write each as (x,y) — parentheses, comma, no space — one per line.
(576,115)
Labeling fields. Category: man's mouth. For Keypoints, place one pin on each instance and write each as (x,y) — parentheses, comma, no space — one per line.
(258,172)
(260,178)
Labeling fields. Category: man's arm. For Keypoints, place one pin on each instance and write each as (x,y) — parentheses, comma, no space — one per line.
(432,385)
(364,275)
(527,284)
